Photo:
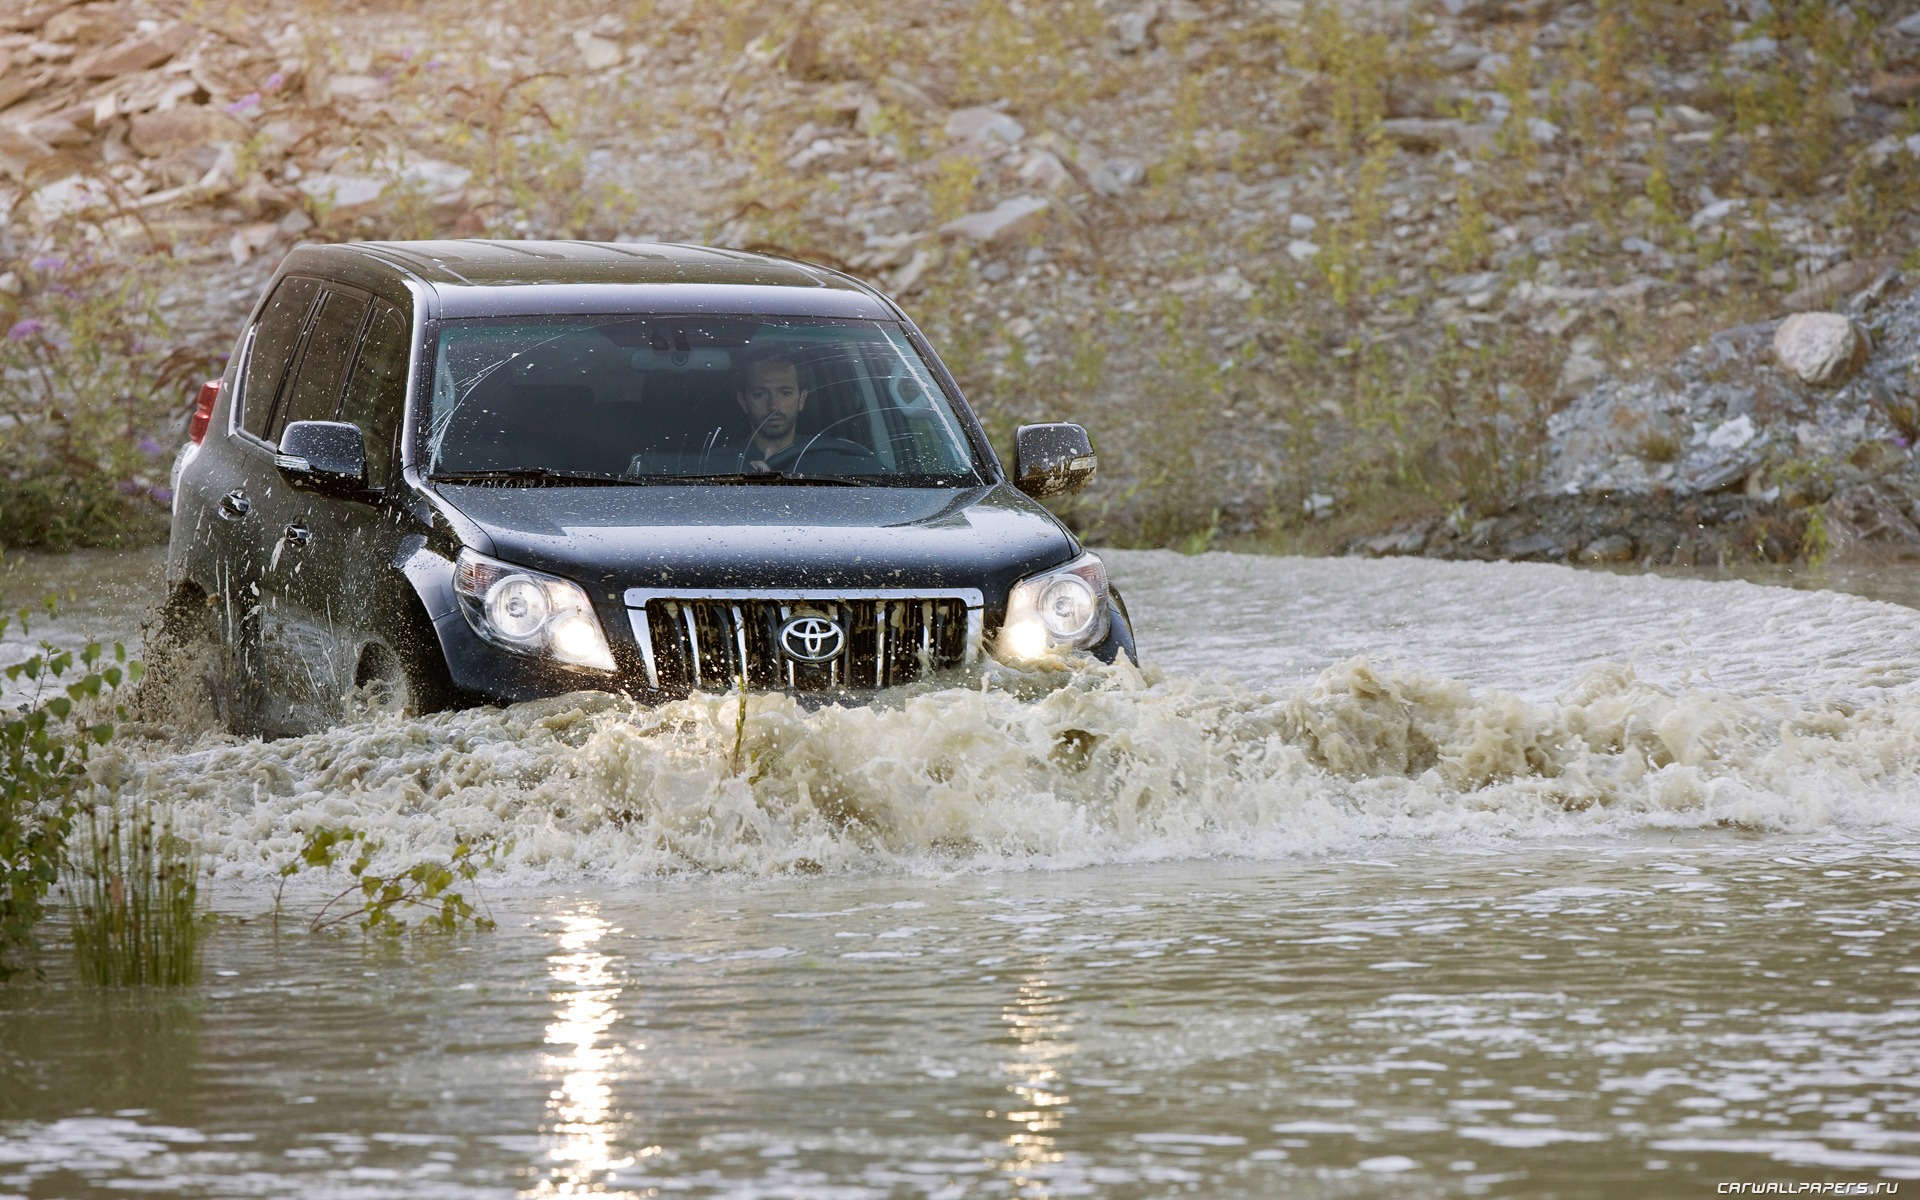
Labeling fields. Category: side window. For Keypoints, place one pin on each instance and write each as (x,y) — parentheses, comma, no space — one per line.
(377,390)
(314,394)
(274,339)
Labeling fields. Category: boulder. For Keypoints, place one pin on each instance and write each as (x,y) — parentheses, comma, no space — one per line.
(1613,548)
(187,127)
(344,195)
(1822,348)
(141,52)
(1007,221)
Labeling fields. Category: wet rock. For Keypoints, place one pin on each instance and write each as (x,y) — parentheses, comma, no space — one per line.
(1019,217)
(1533,545)
(1836,283)
(1821,348)
(140,52)
(1614,548)
(160,134)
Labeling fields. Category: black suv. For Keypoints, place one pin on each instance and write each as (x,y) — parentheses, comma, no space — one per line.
(455,472)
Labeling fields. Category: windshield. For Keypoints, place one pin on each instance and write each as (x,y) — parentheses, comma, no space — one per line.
(725,399)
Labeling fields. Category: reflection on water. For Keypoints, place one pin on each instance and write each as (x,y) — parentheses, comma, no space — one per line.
(1036,1022)
(582,1130)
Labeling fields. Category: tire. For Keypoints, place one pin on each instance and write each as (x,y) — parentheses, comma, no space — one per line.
(189,680)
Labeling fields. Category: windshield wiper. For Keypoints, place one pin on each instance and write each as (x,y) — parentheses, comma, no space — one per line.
(528,475)
(768,477)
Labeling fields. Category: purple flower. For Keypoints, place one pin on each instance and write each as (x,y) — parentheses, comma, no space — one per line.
(274,82)
(149,446)
(129,488)
(48,262)
(25,328)
(435,64)
(406,55)
(163,495)
(1900,441)
(245,104)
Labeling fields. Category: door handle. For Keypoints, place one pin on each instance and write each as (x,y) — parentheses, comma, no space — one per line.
(235,505)
(297,535)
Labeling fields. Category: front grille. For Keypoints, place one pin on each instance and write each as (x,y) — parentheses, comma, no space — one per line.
(714,639)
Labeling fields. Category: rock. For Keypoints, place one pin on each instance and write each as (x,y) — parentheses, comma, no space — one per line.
(908,277)
(1580,370)
(1006,221)
(1716,212)
(1302,250)
(1908,26)
(356,87)
(1113,176)
(1424,135)
(1822,348)
(1044,172)
(1837,283)
(983,130)
(18,148)
(249,240)
(344,195)
(906,94)
(141,52)
(1533,545)
(1610,549)
(88,25)
(1887,87)
(159,134)
(597,52)
(1131,29)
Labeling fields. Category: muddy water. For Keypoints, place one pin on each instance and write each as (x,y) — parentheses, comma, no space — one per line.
(1394,878)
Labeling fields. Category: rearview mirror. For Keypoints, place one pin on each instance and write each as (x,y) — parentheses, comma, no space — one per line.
(1052,460)
(323,456)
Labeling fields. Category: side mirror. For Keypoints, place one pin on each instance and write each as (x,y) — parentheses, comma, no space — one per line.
(1052,460)
(323,456)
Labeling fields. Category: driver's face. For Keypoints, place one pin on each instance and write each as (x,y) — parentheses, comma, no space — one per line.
(772,400)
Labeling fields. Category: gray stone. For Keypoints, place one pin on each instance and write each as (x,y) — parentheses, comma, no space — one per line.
(983,130)
(1823,349)
(1006,221)
(1837,283)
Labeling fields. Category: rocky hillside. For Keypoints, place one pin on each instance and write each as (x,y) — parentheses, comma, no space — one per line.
(1310,272)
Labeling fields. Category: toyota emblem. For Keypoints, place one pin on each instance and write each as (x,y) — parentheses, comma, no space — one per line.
(810,639)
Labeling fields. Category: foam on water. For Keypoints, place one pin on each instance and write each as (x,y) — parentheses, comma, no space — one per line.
(1538,730)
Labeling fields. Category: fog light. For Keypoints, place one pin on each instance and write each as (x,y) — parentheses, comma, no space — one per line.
(517,606)
(577,639)
(1026,638)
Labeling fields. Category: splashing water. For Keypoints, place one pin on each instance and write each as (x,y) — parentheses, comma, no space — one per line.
(1493,701)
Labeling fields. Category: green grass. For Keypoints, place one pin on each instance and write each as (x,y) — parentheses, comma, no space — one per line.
(134,900)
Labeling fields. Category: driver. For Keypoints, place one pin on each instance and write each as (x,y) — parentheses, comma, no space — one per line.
(769,393)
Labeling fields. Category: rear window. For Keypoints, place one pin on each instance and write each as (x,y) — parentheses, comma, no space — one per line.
(679,398)
(274,341)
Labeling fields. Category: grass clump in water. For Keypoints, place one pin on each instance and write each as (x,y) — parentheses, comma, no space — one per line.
(45,742)
(135,901)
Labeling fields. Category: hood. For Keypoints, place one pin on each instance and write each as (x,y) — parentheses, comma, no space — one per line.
(740,536)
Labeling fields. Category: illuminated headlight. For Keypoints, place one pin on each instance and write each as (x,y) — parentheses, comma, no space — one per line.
(1064,609)
(529,612)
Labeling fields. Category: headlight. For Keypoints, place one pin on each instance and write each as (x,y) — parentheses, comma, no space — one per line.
(529,612)
(1066,608)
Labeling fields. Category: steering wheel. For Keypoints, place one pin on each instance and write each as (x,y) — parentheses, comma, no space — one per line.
(863,460)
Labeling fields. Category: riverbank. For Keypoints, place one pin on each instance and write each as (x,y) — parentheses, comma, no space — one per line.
(1292,263)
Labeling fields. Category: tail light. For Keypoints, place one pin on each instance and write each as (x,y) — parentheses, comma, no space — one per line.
(203,411)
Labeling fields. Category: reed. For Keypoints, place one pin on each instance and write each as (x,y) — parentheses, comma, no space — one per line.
(135,900)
